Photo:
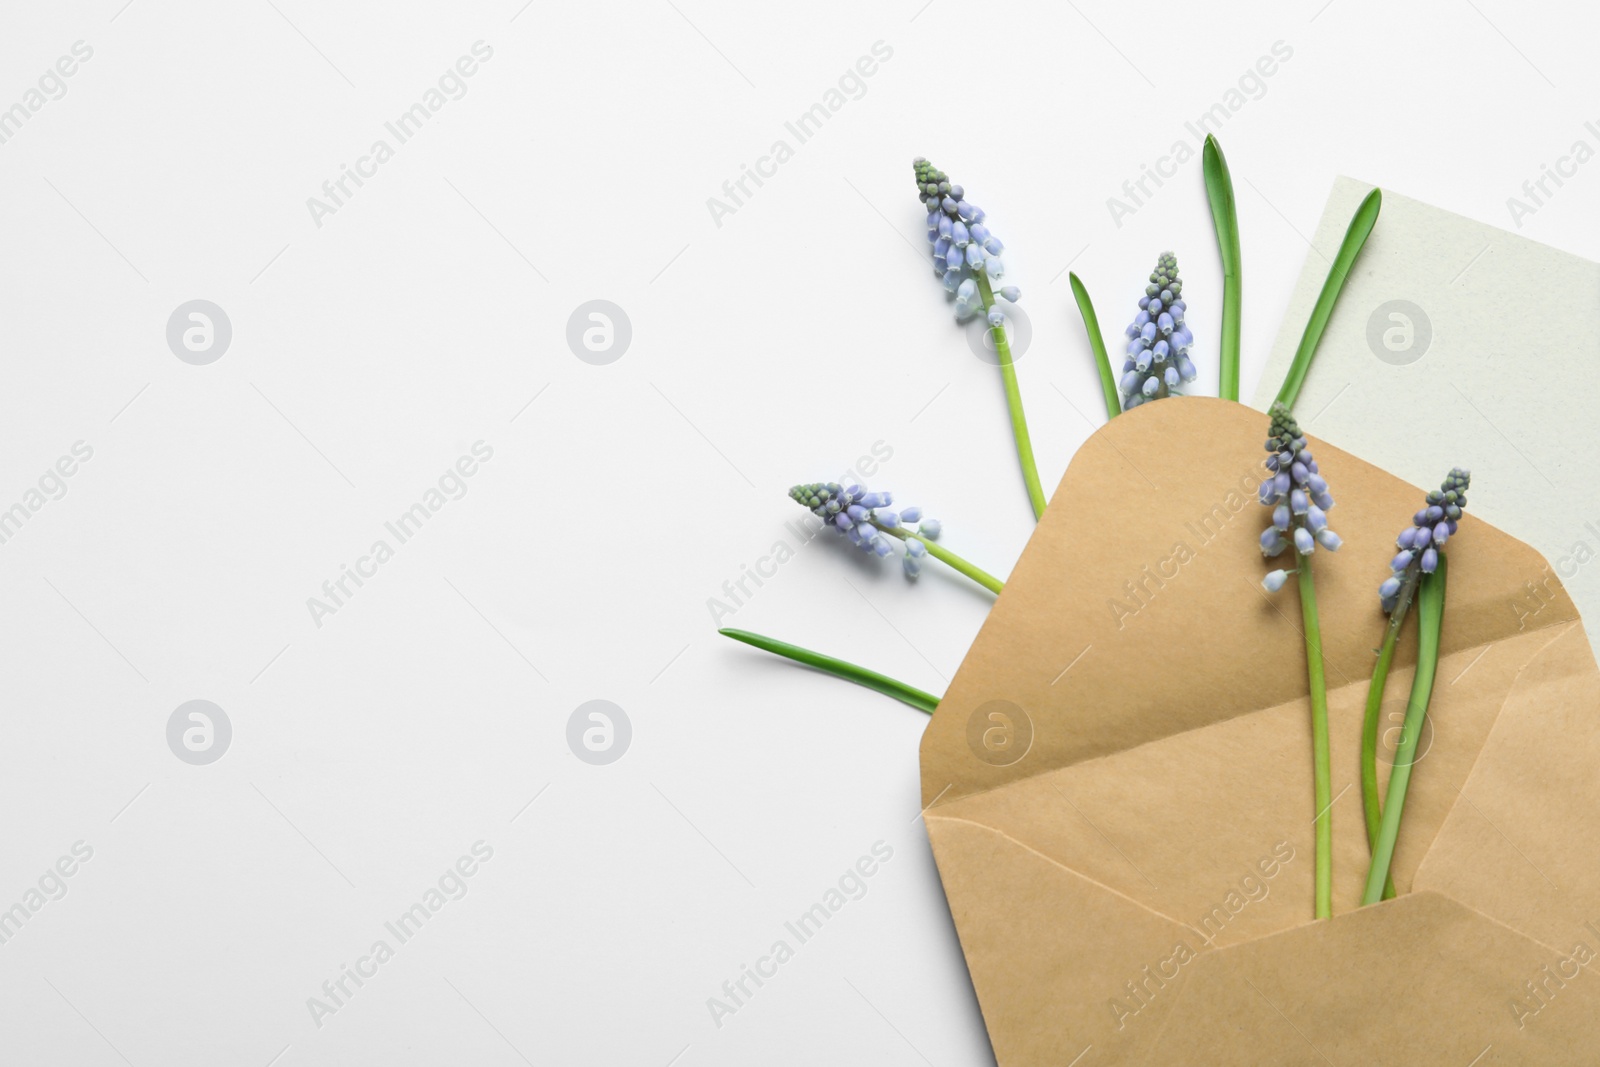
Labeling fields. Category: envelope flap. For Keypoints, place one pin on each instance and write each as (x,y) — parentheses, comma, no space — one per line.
(1214,827)
(1519,842)
(1136,613)
(1419,979)
(1048,949)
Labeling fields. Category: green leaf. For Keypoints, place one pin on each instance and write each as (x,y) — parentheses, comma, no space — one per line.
(918,699)
(1371,805)
(1097,343)
(1430,620)
(1225,215)
(1355,237)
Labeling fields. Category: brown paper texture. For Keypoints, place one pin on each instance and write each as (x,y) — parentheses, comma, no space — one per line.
(1119,791)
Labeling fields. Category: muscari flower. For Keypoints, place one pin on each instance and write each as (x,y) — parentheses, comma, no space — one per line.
(1420,542)
(861,517)
(1157,360)
(963,246)
(1297,495)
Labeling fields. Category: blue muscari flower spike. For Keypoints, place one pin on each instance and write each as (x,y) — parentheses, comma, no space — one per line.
(963,245)
(1297,495)
(1157,359)
(861,517)
(1420,542)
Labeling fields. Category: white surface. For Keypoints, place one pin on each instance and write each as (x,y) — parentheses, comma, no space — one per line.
(368,354)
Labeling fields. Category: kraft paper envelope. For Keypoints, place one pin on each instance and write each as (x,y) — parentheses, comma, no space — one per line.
(1458,344)
(1119,796)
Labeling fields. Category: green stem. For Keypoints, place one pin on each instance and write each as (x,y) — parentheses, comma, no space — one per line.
(938,552)
(1225,215)
(1097,343)
(848,671)
(1369,726)
(1355,236)
(1019,422)
(1369,749)
(1322,773)
(1430,616)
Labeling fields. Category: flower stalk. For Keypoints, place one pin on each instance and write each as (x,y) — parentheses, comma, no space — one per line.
(1430,617)
(966,256)
(1019,421)
(1371,806)
(1419,546)
(864,519)
(1299,498)
(949,558)
(1322,772)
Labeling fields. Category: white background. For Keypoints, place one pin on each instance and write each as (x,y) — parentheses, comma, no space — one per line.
(372,351)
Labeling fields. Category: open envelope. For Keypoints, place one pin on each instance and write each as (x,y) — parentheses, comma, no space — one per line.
(1119,797)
